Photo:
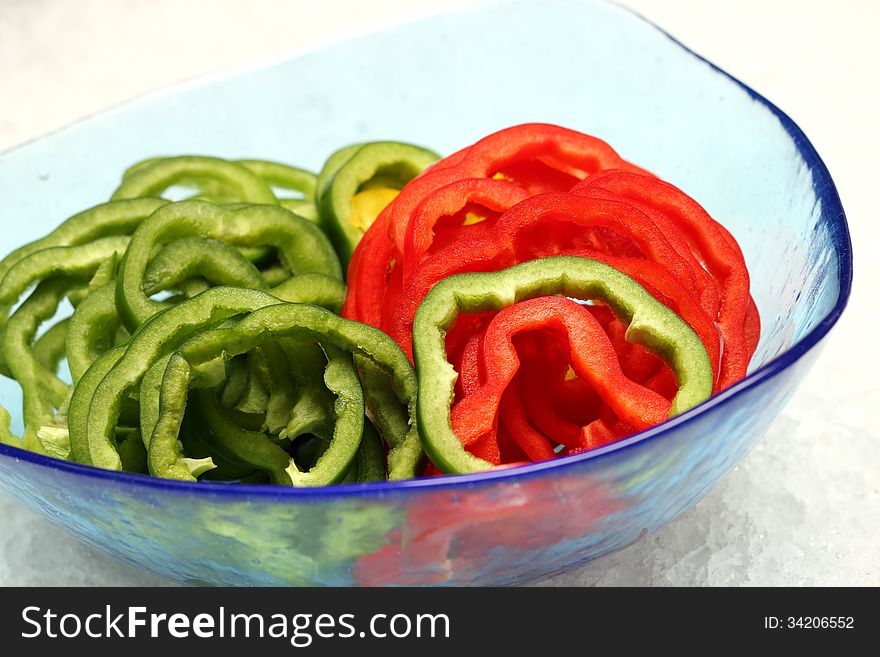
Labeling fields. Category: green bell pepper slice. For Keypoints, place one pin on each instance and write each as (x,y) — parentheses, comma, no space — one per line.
(368,175)
(303,248)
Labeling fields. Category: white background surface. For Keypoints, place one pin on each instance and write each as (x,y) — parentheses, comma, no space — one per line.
(803,508)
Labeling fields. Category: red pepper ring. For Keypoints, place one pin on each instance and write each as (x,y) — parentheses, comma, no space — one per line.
(494,195)
(498,250)
(574,152)
(350,304)
(752,323)
(714,245)
(568,151)
(368,272)
(752,327)
(564,150)
(415,191)
(549,406)
(535,445)
(598,433)
(470,377)
(664,287)
(522,411)
(487,448)
(650,323)
(705,285)
(388,235)
(468,254)
(509,450)
(593,359)
(637,363)
(557,405)
(551,213)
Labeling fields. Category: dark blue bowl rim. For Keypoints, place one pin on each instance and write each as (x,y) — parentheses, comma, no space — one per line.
(832,215)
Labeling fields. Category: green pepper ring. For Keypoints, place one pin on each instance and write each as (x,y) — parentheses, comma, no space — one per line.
(304,248)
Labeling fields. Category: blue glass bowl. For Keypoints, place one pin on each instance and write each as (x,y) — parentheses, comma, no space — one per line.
(444,82)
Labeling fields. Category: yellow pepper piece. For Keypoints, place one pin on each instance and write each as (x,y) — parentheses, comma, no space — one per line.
(366,205)
(472,218)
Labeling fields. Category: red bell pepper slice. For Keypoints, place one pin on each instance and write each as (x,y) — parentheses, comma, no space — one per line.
(713,245)
(667,289)
(550,149)
(562,221)
(554,223)
(705,286)
(368,272)
(636,362)
(426,230)
(593,359)
(468,365)
(535,445)
(472,254)
(557,405)
(568,152)
(598,433)
(511,453)
(752,327)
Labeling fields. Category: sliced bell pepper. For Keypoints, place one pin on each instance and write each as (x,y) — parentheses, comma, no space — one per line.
(650,323)
(543,225)
(219,179)
(303,248)
(365,180)
(712,244)
(593,358)
(537,156)
(460,208)
(368,272)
